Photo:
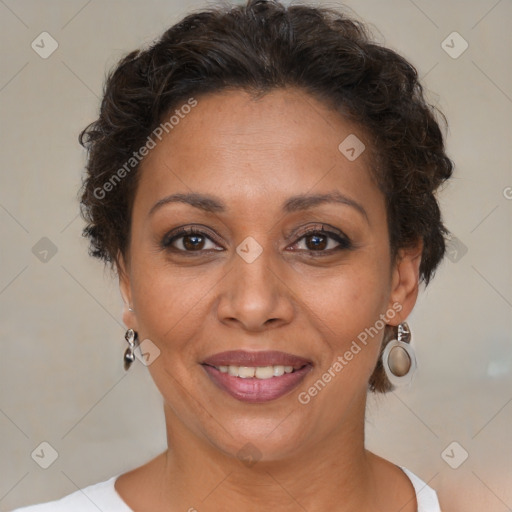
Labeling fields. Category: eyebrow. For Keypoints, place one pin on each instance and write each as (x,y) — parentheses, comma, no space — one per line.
(212,204)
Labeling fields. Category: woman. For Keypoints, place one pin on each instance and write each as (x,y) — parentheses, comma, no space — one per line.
(262,179)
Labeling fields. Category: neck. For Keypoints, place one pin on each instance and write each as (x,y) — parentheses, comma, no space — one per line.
(333,474)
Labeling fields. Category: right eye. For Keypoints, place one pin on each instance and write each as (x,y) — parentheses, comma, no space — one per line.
(190,239)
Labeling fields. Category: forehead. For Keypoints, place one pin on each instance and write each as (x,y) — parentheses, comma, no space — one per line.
(283,143)
(280,120)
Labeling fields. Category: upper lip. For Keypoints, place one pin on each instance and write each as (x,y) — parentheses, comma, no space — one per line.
(261,358)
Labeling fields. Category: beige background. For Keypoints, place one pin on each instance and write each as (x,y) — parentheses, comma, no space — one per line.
(61,329)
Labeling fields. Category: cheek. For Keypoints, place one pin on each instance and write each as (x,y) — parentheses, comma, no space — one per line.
(349,317)
(170,304)
(350,300)
(348,310)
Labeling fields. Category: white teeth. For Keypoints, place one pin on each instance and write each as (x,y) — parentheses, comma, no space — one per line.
(264,372)
(260,372)
(245,372)
(278,371)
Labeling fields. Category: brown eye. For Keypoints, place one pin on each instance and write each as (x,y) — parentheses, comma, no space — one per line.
(187,240)
(193,242)
(317,241)
(320,240)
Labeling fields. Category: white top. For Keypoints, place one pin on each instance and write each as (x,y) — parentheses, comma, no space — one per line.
(103,496)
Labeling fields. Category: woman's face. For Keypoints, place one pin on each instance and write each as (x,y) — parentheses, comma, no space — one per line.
(253,279)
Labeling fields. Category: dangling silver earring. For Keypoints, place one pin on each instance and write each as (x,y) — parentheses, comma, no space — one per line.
(129,355)
(398,358)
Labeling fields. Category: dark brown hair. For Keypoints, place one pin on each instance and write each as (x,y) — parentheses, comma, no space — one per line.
(258,47)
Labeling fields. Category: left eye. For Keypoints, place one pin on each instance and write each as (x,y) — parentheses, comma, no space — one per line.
(318,241)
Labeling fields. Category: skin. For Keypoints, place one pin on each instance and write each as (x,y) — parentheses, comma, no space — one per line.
(253,155)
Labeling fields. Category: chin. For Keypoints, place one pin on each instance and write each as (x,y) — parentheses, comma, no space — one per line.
(261,440)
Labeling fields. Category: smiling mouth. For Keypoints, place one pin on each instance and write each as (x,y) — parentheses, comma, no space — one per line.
(257,384)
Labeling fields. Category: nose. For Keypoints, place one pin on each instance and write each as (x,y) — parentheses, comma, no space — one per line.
(255,295)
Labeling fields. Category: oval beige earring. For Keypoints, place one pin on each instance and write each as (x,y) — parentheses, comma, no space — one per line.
(398,357)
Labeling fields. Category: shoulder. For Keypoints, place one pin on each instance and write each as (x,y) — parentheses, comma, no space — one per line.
(425,495)
(102,496)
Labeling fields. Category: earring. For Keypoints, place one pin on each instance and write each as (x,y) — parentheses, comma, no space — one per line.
(398,358)
(129,355)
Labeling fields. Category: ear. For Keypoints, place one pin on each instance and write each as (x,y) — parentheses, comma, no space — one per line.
(123,271)
(405,280)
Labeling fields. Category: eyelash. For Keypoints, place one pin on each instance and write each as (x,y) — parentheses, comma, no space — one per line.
(343,241)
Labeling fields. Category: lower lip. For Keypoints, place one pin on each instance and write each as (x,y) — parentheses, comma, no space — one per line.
(257,390)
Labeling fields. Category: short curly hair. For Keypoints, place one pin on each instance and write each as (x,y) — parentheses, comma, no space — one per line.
(259,47)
